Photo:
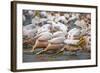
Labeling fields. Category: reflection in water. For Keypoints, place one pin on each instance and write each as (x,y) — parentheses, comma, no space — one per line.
(30,57)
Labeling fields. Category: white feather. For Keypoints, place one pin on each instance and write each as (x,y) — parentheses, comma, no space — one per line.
(57,40)
(71,42)
(58,34)
(44,28)
(44,36)
(61,27)
(74,32)
(29,30)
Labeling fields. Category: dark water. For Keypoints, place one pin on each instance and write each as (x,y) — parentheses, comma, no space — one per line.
(30,57)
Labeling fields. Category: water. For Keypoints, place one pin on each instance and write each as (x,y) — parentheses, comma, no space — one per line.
(30,57)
